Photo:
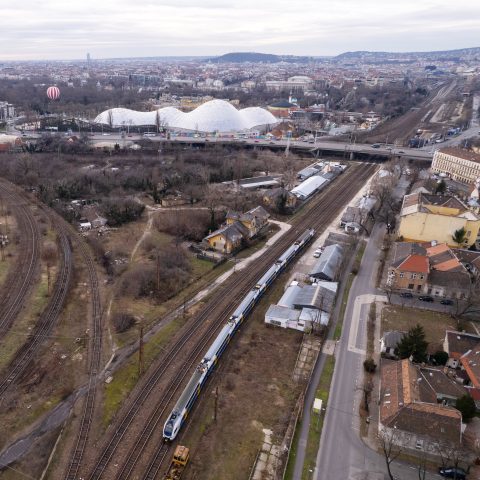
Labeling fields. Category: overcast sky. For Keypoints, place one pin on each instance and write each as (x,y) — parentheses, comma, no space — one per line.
(68,29)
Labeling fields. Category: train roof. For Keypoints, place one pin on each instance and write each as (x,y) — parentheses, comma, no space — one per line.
(266,276)
(287,253)
(248,298)
(223,334)
(188,390)
(305,235)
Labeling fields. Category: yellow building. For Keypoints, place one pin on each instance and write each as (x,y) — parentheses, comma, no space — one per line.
(239,227)
(425,218)
(254,220)
(228,238)
(459,164)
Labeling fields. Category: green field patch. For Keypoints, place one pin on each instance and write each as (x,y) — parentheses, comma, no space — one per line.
(126,377)
(24,325)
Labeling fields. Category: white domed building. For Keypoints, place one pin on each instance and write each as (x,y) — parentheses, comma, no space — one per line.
(212,116)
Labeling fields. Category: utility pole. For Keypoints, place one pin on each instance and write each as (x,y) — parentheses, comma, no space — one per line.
(140,352)
(215,411)
(158,272)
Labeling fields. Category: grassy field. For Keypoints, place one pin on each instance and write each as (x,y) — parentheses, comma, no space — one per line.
(203,274)
(355,267)
(434,323)
(125,379)
(338,327)
(24,325)
(9,253)
(5,265)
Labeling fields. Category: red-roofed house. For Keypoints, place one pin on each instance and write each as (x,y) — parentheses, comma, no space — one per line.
(432,269)
(410,273)
(409,412)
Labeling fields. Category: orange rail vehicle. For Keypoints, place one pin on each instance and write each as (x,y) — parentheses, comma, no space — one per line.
(178,463)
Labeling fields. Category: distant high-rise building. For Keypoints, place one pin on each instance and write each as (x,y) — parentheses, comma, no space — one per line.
(88,59)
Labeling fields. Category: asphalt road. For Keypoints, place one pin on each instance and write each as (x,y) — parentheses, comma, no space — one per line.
(342,454)
(325,145)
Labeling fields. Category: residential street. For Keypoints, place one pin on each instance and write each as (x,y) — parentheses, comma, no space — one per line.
(342,454)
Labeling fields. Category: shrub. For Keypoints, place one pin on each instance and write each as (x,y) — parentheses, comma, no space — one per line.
(122,322)
(369,365)
(119,211)
(466,405)
(440,357)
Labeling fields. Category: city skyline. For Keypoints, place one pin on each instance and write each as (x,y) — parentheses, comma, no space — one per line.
(54,30)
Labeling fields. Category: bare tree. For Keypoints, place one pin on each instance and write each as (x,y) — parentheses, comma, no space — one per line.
(471,303)
(390,443)
(367,389)
(422,465)
(211,201)
(389,290)
(451,453)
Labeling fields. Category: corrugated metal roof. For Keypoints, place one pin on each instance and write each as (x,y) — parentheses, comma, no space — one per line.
(314,315)
(328,264)
(277,312)
(309,186)
(288,298)
(308,172)
(319,295)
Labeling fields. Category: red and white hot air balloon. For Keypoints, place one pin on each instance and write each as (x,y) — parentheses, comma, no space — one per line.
(53,93)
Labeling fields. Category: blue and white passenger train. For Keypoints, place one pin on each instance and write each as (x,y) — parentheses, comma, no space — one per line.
(208,362)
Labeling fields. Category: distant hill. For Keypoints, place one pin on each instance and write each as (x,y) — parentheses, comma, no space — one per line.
(393,57)
(253,57)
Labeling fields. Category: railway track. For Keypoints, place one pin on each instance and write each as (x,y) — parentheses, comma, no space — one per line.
(95,356)
(18,283)
(316,215)
(46,320)
(67,234)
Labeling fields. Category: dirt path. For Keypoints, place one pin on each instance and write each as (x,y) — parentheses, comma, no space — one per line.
(148,229)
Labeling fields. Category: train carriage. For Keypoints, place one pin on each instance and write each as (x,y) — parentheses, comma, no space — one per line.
(206,366)
(267,278)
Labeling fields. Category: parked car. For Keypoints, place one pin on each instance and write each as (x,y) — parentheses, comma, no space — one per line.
(406,295)
(453,472)
(376,145)
(446,301)
(426,298)
(317,252)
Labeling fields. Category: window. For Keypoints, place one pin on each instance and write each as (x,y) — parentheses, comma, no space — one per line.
(422,277)
(401,275)
(413,276)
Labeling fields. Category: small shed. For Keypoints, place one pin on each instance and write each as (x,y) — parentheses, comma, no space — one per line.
(328,265)
(317,405)
(282,316)
(308,172)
